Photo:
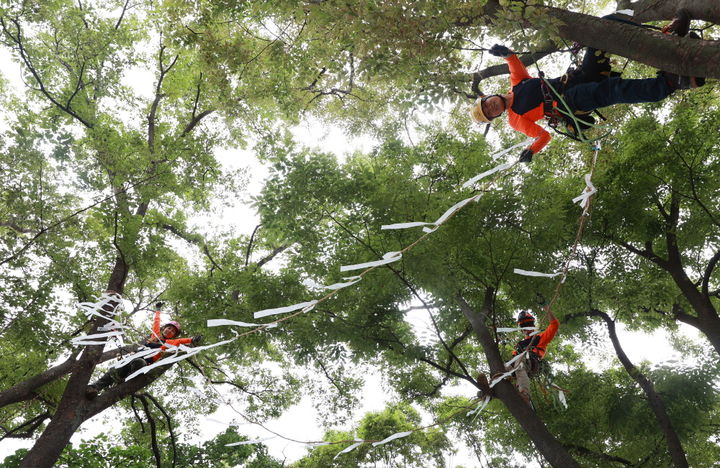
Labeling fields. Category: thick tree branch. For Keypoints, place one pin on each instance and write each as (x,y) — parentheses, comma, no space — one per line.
(25,390)
(29,427)
(544,441)
(682,55)
(194,239)
(602,457)
(18,40)
(169,425)
(677,453)
(708,272)
(153,430)
(151,118)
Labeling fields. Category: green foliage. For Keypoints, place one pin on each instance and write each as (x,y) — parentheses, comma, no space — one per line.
(97,170)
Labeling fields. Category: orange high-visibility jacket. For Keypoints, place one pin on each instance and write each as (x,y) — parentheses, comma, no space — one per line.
(157,336)
(527,107)
(542,339)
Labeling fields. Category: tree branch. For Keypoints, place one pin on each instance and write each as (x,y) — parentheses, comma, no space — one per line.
(169,425)
(30,426)
(153,430)
(708,272)
(677,453)
(194,239)
(25,57)
(158,96)
(603,457)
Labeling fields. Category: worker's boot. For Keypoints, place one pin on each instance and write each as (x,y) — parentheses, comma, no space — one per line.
(102,383)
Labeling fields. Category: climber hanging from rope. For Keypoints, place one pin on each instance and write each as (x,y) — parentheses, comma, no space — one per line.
(529,365)
(161,337)
(571,98)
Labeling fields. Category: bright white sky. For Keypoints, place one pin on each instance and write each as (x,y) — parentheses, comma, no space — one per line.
(299,422)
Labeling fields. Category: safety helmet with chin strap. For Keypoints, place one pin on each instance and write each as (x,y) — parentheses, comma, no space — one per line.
(526,319)
(476,111)
(174,324)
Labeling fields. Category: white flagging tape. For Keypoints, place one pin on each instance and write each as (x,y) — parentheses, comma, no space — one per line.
(97,309)
(350,448)
(492,171)
(501,153)
(481,406)
(248,442)
(518,271)
(626,12)
(561,396)
(389,257)
(221,322)
(510,330)
(584,198)
(350,281)
(399,435)
(284,310)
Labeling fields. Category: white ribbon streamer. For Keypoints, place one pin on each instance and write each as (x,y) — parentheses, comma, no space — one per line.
(498,379)
(518,271)
(456,207)
(508,330)
(96,335)
(176,358)
(584,198)
(405,225)
(561,397)
(480,406)
(221,322)
(387,258)
(513,360)
(399,435)
(284,310)
(336,286)
(349,449)
(495,169)
(139,354)
(248,442)
(498,154)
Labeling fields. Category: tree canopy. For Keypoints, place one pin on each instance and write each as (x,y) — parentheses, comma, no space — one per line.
(113,180)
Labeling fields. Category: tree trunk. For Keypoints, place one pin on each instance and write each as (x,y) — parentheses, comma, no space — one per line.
(681,55)
(25,390)
(677,453)
(654,10)
(544,441)
(53,440)
(73,408)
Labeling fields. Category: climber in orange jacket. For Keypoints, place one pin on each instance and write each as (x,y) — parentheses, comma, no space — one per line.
(529,365)
(593,86)
(161,337)
(535,345)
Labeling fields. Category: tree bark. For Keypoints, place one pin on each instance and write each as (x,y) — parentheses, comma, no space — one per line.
(707,319)
(681,55)
(544,441)
(53,440)
(25,390)
(655,10)
(677,453)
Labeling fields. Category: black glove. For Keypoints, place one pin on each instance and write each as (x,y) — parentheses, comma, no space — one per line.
(526,155)
(500,51)
(159,305)
(197,340)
